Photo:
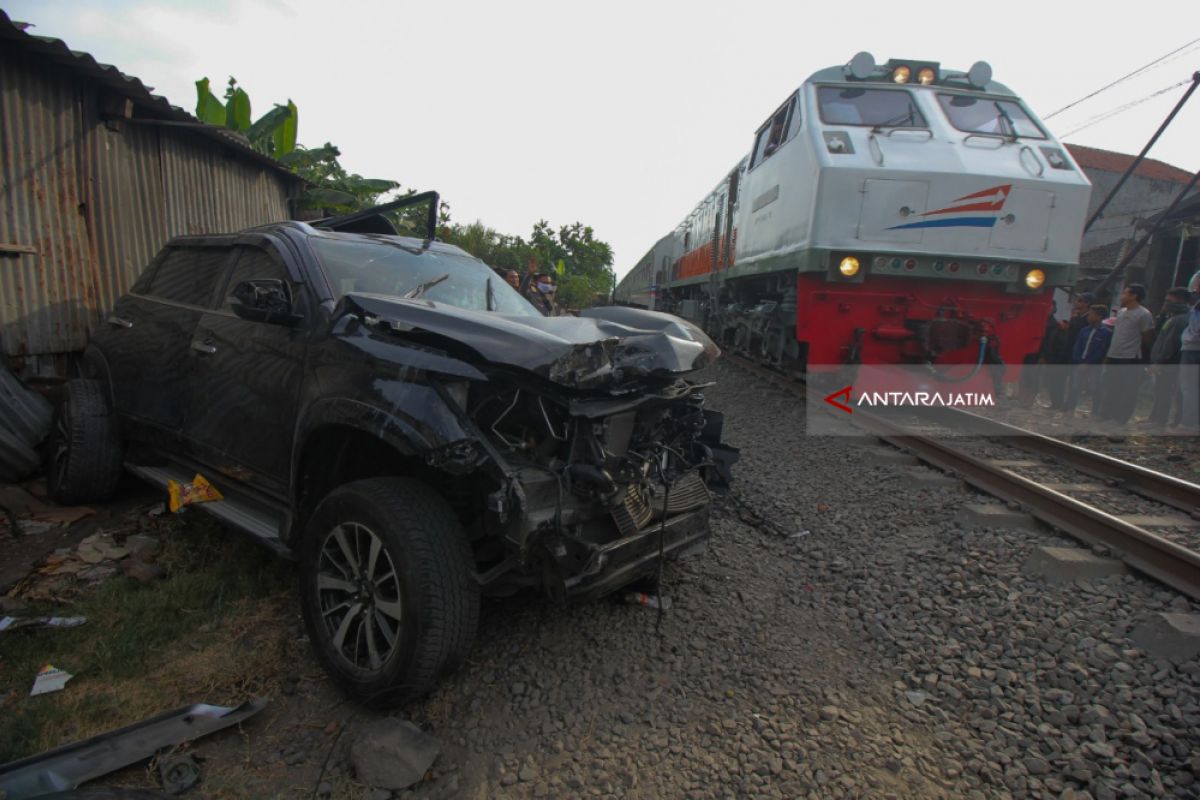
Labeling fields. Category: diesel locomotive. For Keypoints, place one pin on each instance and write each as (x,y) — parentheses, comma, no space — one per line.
(895,213)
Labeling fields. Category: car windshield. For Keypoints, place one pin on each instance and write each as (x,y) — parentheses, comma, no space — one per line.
(990,116)
(377,265)
(854,105)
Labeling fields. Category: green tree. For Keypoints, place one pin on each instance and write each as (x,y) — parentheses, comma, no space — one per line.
(582,262)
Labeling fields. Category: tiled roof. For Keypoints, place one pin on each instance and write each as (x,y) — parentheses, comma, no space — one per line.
(13,34)
(1107,256)
(1108,161)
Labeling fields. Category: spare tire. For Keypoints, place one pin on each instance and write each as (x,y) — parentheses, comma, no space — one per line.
(83,463)
(24,413)
(17,460)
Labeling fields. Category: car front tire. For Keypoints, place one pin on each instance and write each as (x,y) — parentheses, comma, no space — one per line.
(387,590)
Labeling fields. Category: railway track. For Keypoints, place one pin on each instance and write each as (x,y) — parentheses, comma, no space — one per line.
(1173,559)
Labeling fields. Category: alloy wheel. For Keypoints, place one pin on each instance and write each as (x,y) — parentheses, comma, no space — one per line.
(359,596)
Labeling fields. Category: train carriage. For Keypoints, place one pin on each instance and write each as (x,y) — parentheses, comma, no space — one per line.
(887,214)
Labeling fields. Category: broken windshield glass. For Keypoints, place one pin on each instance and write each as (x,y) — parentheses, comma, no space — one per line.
(372,266)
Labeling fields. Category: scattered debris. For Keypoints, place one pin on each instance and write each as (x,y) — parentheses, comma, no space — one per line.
(142,547)
(34,516)
(49,679)
(99,547)
(392,753)
(648,600)
(64,768)
(199,490)
(10,605)
(178,773)
(12,623)
(141,571)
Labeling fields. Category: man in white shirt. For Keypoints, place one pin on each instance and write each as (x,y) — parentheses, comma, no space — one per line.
(1132,333)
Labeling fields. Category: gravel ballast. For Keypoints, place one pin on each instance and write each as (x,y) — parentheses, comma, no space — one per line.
(843,636)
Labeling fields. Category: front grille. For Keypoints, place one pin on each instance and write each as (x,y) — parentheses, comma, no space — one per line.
(634,513)
(687,493)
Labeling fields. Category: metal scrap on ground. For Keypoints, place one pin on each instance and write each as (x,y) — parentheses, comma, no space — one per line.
(66,767)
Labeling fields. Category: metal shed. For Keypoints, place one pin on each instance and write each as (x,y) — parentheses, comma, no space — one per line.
(96,174)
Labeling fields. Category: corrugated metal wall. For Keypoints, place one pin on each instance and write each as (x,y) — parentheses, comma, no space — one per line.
(96,204)
(48,296)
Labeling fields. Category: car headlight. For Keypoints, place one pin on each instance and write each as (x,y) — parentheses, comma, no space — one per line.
(901,74)
(1035,278)
(848,266)
(926,76)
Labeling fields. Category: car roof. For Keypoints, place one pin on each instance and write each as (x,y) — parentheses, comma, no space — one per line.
(297,229)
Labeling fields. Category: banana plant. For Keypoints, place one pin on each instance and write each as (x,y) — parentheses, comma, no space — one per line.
(273,134)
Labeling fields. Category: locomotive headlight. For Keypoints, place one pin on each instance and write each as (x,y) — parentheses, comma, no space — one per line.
(1035,278)
(926,76)
(901,74)
(848,266)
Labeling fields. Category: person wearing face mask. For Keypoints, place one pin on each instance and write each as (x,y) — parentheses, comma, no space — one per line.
(541,294)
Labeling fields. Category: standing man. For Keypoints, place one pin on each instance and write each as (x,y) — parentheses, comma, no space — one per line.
(1054,355)
(1164,355)
(540,293)
(1189,366)
(1133,331)
(1087,355)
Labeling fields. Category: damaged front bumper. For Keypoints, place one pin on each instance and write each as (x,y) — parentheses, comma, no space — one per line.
(621,562)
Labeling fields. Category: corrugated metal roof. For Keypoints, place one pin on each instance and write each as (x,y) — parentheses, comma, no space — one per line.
(85,205)
(151,105)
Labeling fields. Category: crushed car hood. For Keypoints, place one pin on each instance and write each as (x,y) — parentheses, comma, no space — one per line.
(601,348)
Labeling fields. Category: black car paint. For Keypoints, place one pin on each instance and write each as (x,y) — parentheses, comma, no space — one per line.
(243,399)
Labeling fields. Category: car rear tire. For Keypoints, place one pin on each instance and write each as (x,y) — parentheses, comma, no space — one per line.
(387,590)
(83,460)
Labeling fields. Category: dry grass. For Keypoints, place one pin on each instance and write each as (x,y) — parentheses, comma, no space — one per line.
(221,628)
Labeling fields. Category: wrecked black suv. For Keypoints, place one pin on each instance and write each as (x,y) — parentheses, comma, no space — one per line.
(405,423)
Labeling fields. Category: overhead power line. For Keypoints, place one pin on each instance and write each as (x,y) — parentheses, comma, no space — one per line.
(1123,78)
(1123,108)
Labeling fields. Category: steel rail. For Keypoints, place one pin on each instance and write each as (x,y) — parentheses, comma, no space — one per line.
(1162,559)
(1166,489)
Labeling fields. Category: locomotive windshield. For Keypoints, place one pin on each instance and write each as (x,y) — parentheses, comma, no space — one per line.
(990,116)
(853,105)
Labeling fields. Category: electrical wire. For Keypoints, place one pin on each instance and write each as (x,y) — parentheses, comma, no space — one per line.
(1122,79)
(1123,108)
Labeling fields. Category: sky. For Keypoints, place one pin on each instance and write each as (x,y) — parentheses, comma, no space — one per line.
(620,115)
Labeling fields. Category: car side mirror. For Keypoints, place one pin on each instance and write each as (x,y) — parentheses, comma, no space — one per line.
(266,300)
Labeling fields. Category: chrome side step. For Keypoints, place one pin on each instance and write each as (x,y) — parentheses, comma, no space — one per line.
(246,516)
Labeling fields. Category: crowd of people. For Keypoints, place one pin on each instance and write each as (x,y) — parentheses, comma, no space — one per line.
(1108,357)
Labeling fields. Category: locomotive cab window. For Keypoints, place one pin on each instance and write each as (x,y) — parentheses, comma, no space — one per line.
(778,129)
(989,115)
(876,108)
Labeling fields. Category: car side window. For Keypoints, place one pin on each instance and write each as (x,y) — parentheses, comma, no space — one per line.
(253,264)
(189,275)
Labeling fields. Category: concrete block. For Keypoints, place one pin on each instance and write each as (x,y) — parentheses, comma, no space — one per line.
(1171,636)
(931,478)
(1063,564)
(981,515)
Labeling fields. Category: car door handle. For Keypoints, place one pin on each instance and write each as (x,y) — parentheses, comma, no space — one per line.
(204,347)
(119,322)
